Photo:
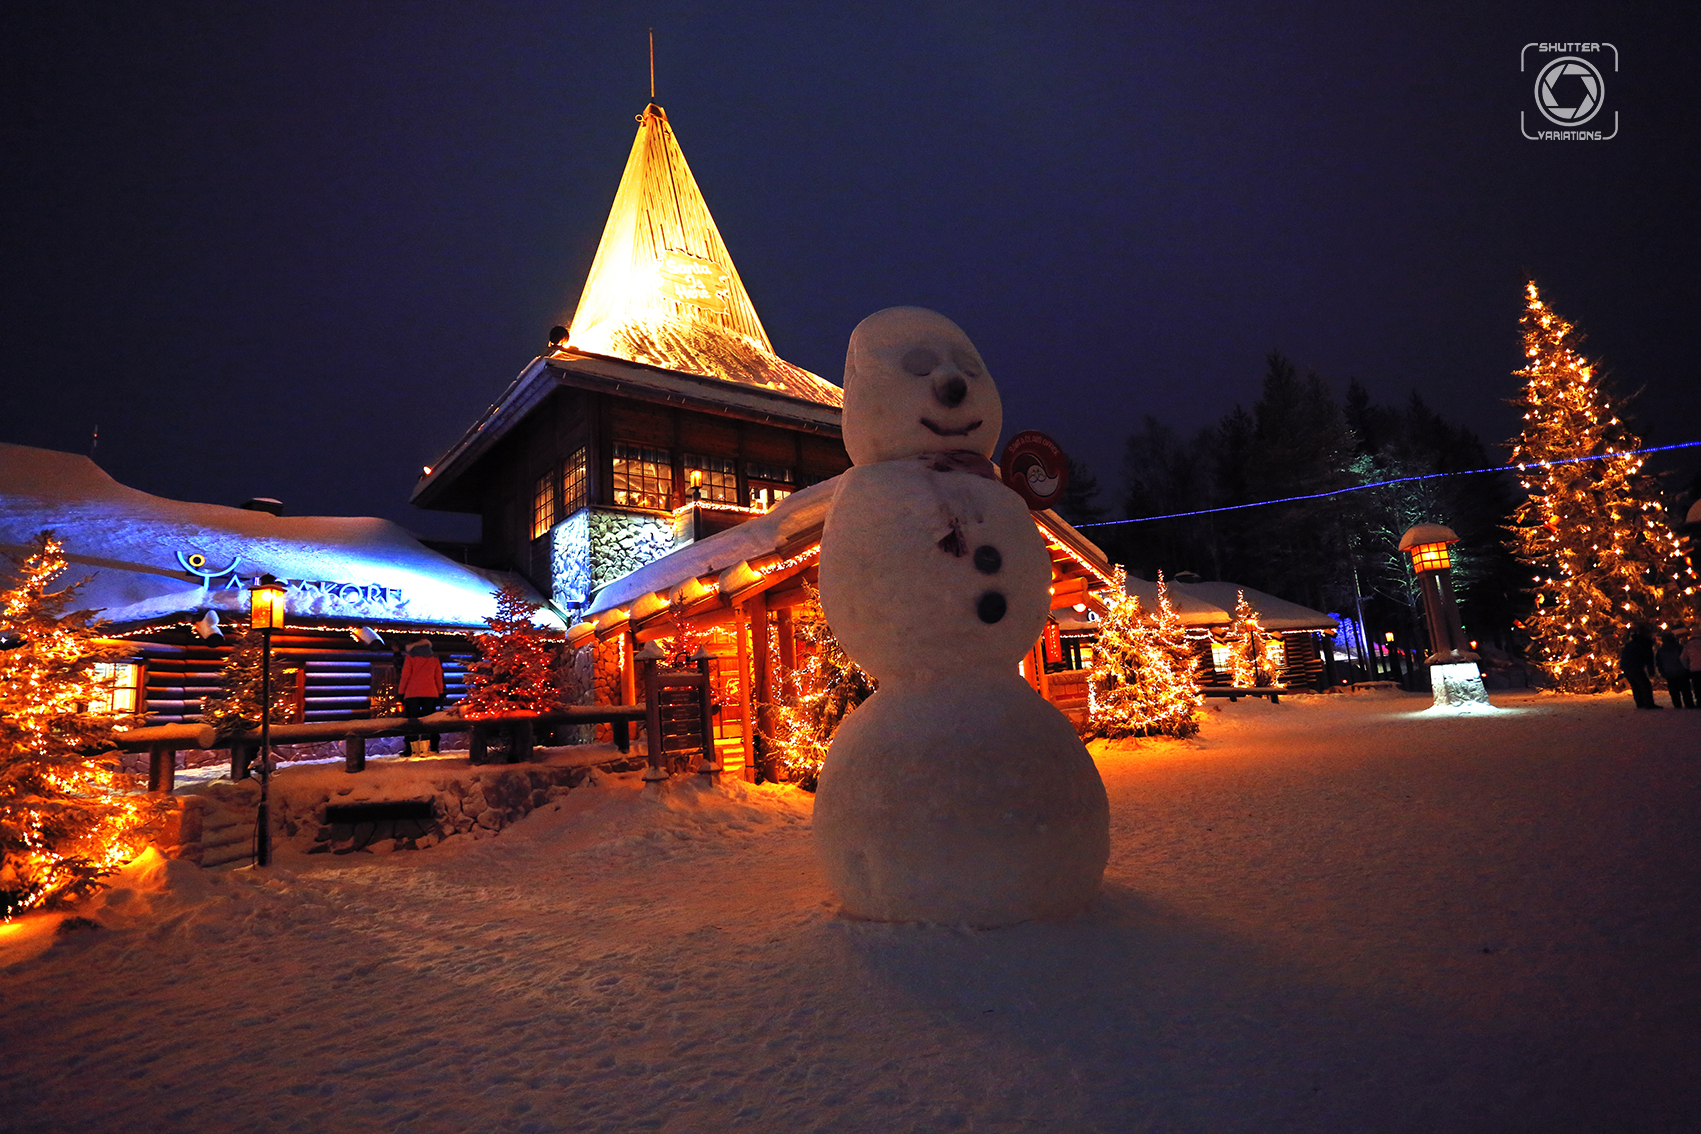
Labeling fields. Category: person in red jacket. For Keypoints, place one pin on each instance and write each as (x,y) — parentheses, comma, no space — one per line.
(420,687)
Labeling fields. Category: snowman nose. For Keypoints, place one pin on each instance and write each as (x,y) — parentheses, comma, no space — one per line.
(951,393)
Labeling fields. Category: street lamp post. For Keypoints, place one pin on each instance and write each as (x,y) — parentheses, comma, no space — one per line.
(266,613)
(1453,674)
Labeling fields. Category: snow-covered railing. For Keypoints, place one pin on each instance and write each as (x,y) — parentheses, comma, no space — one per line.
(164,741)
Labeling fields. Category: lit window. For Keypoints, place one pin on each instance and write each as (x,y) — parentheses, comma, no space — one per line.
(769,484)
(120,688)
(574,492)
(543,505)
(643,477)
(1220,656)
(1430,557)
(716,476)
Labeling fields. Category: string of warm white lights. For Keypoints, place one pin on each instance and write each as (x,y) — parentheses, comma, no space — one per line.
(1597,538)
(1607,456)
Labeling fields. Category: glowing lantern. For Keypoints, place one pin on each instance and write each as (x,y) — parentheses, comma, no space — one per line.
(266,613)
(1430,557)
(1453,671)
(266,604)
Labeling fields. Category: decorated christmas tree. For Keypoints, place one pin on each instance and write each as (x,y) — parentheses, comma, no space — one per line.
(1255,657)
(1594,531)
(1144,679)
(682,647)
(515,670)
(825,686)
(236,707)
(67,815)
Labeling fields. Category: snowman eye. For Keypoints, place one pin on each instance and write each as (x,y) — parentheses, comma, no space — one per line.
(966,363)
(921,361)
(987,559)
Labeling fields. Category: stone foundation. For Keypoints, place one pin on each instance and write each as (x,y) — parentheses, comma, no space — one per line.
(1458,686)
(214,825)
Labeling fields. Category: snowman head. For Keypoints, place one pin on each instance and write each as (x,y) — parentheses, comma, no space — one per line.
(915,384)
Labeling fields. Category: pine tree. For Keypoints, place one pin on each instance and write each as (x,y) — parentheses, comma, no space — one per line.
(1144,679)
(1594,531)
(515,670)
(826,687)
(68,817)
(236,707)
(1255,657)
(1080,503)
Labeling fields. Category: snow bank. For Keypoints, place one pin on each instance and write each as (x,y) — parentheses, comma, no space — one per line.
(1336,913)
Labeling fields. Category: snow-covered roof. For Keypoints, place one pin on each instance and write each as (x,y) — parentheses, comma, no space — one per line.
(1193,609)
(663,290)
(154,560)
(769,549)
(1273,613)
(796,515)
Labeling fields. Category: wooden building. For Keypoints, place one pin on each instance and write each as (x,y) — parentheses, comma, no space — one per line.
(734,595)
(172,580)
(661,414)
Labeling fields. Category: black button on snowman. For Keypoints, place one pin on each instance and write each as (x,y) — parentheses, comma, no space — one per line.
(956,793)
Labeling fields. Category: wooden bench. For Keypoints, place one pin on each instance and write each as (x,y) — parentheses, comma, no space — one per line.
(1236,692)
(397,818)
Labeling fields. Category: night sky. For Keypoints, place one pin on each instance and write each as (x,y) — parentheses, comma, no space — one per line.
(294,250)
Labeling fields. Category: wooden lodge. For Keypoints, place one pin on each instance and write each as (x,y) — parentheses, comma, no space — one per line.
(662,391)
(171,579)
(734,595)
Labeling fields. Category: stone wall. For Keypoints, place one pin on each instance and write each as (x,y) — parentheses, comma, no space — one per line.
(570,561)
(622,542)
(607,679)
(575,676)
(484,801)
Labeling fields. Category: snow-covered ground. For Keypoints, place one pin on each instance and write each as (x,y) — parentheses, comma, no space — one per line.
(1326,915)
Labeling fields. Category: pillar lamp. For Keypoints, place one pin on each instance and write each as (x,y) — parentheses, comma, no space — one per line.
(265,614)
(1452,666)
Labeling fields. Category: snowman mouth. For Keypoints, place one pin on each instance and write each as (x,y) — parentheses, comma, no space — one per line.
(943,432)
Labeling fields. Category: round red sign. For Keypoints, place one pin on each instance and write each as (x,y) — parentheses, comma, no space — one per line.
(1035,468)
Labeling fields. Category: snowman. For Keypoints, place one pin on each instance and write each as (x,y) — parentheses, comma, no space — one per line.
(956,793)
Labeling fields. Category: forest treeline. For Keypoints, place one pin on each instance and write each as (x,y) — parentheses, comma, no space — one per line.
(1340,553)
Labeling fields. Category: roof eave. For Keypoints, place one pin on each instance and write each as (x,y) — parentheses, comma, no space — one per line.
(695,391)
(532,385)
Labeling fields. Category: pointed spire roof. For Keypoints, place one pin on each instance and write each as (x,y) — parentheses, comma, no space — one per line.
(663,291)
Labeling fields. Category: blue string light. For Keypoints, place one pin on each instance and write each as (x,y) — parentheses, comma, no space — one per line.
(1396,480)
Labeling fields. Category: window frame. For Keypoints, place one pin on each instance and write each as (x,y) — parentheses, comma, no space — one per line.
(654,478)
(720,484)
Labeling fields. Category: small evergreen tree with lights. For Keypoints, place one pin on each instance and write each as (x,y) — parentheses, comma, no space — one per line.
(236,706)
(1144,679)
(1255,656)
(68,816)
(1594,532)
(826,687)
(682,647)
(515,670)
